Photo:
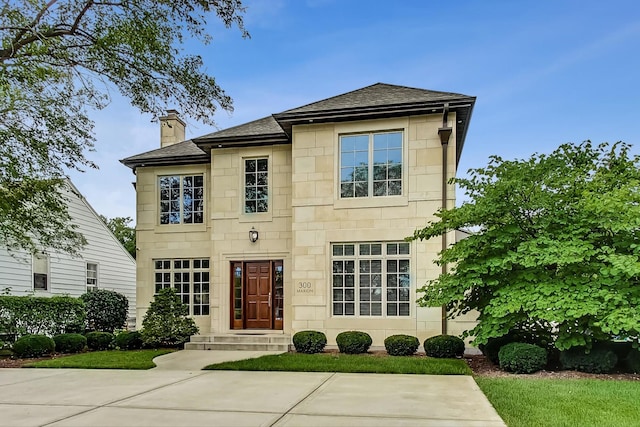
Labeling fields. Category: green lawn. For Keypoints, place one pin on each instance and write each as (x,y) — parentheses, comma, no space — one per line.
(563,402)
(336,362)
(110,359)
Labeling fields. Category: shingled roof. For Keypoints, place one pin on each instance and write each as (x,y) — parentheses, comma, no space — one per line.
(185,152)
(379,100)
(258,132)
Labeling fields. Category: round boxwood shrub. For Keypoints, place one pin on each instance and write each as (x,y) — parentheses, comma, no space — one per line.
(33,346)
(99,340)
(70,343)
(599,360)
(309,342)
(538,336)
(632,361)
(522,358)
(353,342)
(444,346)
(126,340)
(401,345)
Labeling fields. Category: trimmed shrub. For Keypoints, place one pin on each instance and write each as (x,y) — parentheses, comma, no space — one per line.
(599,360)
(126,340)
(70,343)
(167,322)
(33,346)
(106,310)
(309,342)
(353,342)
(28,315)
(99,340)
(522,358)
(401,345)
(538,336)
(444,346)
(632,361)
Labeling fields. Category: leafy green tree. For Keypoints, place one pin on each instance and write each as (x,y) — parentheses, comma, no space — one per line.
(61,59)
(556,247)
(167,322)
(106,310)
(126,235)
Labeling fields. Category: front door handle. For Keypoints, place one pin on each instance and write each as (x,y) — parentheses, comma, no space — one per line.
(269,299)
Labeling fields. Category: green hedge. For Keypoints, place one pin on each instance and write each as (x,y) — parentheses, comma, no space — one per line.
(522,358)
(309,342)
(444,346)
(126,340)
(33,346)
(70,343)
(106,310)
(25,315)
(353,342)
(597,361)
(401,345)
(99,340)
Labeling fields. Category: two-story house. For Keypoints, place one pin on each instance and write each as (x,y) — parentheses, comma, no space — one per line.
(297,220)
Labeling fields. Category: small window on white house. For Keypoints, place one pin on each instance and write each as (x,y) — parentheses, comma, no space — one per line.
(40,272)
(92,276)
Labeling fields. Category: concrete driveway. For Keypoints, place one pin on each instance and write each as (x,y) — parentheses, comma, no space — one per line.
(165,397)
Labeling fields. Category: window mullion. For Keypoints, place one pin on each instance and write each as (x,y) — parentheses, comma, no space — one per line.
(370,177)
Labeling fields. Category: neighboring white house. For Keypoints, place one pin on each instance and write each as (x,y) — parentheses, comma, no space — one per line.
(104,263)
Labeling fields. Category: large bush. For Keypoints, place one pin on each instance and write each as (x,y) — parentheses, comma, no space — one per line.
(33,346)
(597,361)
(353,342)
(522,358)
(401,345)
(309,341)
(106,310)
(126,340)
(167,322)
(99,340)
(444,346)
(70,343)
(27,315)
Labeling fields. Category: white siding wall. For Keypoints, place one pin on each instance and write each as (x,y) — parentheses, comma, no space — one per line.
(116,268)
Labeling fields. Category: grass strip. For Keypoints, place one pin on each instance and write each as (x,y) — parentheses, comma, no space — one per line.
(353,363)
(109,359)
(523,402)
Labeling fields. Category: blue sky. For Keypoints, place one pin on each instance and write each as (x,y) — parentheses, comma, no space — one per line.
(544,73)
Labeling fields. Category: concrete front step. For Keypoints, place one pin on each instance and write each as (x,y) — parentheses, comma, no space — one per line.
(240,341)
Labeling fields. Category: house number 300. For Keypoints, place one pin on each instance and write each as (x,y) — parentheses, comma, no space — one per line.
(304,285)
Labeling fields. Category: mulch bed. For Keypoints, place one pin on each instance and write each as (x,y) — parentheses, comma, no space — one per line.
(481,366)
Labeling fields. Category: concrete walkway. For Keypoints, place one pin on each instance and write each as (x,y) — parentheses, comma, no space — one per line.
(195,360)
(169,397)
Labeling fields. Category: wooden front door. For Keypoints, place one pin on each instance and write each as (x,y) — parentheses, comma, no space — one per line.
(258,295)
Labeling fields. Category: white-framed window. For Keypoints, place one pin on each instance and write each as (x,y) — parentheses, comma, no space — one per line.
(189,278)
(92,276)
(371,164)
(181,199)
(371,279)
(40,263)
(256,185)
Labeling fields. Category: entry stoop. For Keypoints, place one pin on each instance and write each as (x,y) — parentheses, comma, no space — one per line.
(240,341)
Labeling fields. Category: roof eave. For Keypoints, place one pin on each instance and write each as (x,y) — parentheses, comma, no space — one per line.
(166,161)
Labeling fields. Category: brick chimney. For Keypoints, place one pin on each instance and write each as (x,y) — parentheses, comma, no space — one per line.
(171,129)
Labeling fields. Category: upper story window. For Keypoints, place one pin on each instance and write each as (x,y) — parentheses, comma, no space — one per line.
(181,199)
(40,272)
(92,276)
(371,165)
(256,185)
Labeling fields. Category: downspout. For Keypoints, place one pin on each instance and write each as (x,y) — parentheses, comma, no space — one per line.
(444,132)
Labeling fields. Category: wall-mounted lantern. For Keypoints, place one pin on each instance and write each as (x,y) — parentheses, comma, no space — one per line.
(253,235)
